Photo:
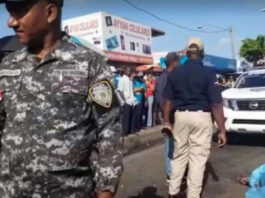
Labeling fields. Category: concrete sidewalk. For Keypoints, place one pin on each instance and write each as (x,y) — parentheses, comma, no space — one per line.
(142,140)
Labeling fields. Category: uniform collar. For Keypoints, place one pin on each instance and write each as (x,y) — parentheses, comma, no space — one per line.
(195,61)
(61,52)
(20,55)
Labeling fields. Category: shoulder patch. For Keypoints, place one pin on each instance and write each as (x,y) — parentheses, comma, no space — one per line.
(102,93)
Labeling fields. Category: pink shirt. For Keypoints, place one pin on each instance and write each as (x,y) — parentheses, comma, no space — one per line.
(150,87)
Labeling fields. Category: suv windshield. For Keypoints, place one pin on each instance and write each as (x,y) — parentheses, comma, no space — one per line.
(251,80)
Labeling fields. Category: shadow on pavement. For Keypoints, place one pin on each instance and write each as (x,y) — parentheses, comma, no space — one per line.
(244,139)
(209,171)
(148,192)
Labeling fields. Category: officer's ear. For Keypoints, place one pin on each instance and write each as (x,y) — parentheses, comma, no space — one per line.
(52,13)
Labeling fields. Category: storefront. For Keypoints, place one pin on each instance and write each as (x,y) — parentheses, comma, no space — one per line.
(125,43)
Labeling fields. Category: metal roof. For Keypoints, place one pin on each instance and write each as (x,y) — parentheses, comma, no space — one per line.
(156,32)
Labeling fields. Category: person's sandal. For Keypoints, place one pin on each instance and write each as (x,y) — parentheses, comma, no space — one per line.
(243,180)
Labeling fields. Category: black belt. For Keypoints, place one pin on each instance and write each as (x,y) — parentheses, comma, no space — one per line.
(182,110)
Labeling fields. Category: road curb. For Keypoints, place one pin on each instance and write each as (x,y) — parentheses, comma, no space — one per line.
(142,140)
(145,139)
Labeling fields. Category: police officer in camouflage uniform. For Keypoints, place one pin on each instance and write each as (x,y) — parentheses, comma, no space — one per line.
(62,130)
(2,116)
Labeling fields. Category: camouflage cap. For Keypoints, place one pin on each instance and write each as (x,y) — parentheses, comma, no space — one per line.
(57,2)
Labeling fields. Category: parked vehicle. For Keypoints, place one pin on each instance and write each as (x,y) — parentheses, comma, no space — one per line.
(244,104)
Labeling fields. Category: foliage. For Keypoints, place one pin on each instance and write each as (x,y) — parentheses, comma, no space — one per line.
(253,50)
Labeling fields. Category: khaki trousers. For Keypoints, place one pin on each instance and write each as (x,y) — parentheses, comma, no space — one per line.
(193,134)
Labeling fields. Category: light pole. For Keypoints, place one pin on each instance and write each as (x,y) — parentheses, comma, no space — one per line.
(231,33)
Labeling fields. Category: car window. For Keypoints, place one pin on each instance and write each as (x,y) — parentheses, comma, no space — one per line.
(251,80)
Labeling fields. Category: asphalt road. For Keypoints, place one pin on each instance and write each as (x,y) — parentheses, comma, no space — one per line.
(144,171)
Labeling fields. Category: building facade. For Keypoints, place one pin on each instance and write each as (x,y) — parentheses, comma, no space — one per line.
(125,43)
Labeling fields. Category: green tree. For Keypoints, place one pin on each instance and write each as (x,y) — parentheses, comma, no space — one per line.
(253,50)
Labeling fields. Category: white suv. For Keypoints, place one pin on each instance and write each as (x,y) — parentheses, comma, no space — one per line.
(244,104)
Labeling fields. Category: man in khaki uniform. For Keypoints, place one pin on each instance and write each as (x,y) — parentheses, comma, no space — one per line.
(195,92)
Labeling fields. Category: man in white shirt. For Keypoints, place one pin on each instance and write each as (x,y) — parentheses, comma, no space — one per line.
(125,87)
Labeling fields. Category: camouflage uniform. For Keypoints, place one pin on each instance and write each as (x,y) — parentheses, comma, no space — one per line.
(2,119)
(58,140)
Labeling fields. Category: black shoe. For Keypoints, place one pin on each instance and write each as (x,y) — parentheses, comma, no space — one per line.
(173,196)
(177,196)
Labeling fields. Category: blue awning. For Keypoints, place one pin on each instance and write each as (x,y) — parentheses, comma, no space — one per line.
(220,64)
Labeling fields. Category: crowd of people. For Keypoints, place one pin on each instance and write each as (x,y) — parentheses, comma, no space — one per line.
(141,94)
(186,97)
(225,83)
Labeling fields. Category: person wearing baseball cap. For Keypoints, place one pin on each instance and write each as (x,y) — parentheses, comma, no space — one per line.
(29,19)
(194,43)
(195,92)
(172,61)
(62,130)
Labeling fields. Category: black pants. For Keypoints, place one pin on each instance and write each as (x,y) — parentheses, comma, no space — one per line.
(127,118)
(137,118)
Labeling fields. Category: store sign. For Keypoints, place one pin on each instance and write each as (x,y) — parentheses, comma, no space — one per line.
(132,41)
(87,27)
(84,26)
(121,39)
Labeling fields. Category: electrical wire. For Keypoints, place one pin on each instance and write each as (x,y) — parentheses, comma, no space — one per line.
(170,22)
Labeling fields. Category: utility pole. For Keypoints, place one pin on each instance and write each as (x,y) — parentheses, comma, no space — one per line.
(231,32)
